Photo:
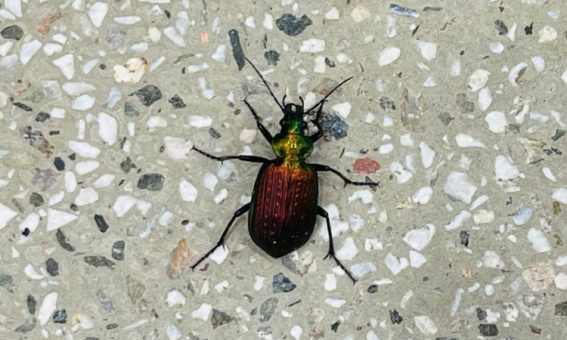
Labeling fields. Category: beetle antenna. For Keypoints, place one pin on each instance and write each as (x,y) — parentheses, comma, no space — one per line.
(328,94)
(283,99)
(266,83)
(302,103)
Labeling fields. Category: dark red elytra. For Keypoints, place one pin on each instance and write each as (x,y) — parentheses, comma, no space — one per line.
(284,204)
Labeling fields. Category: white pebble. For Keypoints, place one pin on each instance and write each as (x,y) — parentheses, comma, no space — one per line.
(538,240)
(206,90)
(175,298)
(296,332)
(458,220)
(332,14)
(6,214)
(483,217)
(66,64)
(210,181)
(86,196)
(491,259)
(56,219)
(428,50)
(83,103)
(418,239)
(342,109)
(360,13)
(187,191)
(312,45)
(489,290)
(539,63)
(522,216)
(425,325)
(173,332)
(560,281)
(97,12)
(364,195)
(427,154)
(84,149)
(478,79)
(220,53)
(203,312)
(104,181)
(335,303)
(388,56)
(455,68)
(564,76)
(504,169)
(156,122)
(107,128)
(423,195)
(28,50)
(221,196)
(330,283)
(549,174)
(48,306)
(497,122)
(123,204)
(83,168)
(416,259)
(259,282)
(394,264)
(132,72)
(249,21)
(200,121)
(360,269)
(174,36)
(371,244)
(459,187)
(386,148)
(402,175)
(197,67)
(496,47)
(515,73)
(466,141)
(182,22)
(484,99)
(177,148)
(127,20)
(268,22)
(547,34)
(560,195)
(348,251)
(77,88)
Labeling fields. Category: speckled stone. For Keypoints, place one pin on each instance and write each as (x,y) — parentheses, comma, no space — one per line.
(151,182)
(220,318)
(63,241)
(148,94)
(118,250)
(272,57)
(237,52)
(268,308)
(36,199)
(130,110)
(177,102)
(291,25)
(395,317)
(334,126)
(13,32)
(561,309)
(281,284)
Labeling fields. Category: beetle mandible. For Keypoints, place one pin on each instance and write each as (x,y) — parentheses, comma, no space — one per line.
(284,204)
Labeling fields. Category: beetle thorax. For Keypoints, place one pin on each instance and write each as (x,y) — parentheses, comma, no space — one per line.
(292,147)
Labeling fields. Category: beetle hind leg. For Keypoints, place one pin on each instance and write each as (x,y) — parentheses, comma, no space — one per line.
(323,213)
(241,211)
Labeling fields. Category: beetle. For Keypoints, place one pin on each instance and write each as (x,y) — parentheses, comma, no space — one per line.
(284,204)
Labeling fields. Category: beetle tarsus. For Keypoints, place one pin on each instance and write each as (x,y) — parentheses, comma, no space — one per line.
(323,213)
(322,167)
(241,211)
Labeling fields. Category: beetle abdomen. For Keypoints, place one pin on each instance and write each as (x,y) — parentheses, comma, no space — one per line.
(283,208)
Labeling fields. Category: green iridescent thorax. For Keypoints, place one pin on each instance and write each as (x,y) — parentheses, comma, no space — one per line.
(292,147)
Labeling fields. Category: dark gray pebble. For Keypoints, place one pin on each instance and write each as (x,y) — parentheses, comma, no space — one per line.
(23,106)
(31,302)
(489,329)
(99,261)
(334,126)
(480,314)
(335,326)
(101,223)
(529,30)
(291,25)
(446,118)
(395,317)
(372,289)
(130,110)
(558,134)
(281,284)
(177,102)
(272,57)
(220,318)
(59,164)
(268,308)
(60,316)
(36,199)
(13,32)
(63,241)
(118,250)
(464,236)
(148,94)
(26,326)
(6,281)
(151,182)
(214,133)
(52,267)
(127,165)
(387,104)
(501,27)
(42,117)
(561,309)
(237,52)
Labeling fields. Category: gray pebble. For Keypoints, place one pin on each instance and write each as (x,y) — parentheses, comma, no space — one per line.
(130,110)
(268,308)
(561,309)
(13,32)
(488,329)
(334,126)
(118,250)
(31,302)
(98,261)
(148,94)
(291,25)
(151,182)
(220,318)
(60,316)
(52,267)
(281,284)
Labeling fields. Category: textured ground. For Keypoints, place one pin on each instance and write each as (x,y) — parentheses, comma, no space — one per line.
(458,108)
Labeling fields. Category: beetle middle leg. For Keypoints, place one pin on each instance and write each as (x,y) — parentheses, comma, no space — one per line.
(246,158)
(323,213)
(322,167)
(241,211)
(259,124)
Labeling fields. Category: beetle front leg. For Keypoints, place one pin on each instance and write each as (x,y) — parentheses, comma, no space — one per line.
(317,122)
(261,126)
(322,167)
(323,213)
(238,213)
(254,159)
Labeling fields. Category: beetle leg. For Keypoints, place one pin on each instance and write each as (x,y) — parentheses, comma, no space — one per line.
(254,159)
(261,126)
(243,209)
(317,122)
(322,212)
(322,167)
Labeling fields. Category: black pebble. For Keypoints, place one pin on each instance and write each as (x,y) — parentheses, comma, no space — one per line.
(118,250)
(290,25)
(23,106)
(32,304)
(148,94)
(480,314)
(488,329)
(237,52)
(60,316)
(177,102)
(529,30)
(395,317)
(52,267)
(42,117)
(272,57)
(151,182)
(372,289)
(13,32)
(59,164)
(101,223)
(281,284)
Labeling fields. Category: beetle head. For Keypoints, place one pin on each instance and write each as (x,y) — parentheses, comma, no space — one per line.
(293,122)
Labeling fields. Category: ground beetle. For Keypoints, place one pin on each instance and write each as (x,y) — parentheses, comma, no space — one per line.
(283,208)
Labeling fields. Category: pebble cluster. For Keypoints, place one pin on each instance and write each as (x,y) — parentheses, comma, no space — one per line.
(457,108)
